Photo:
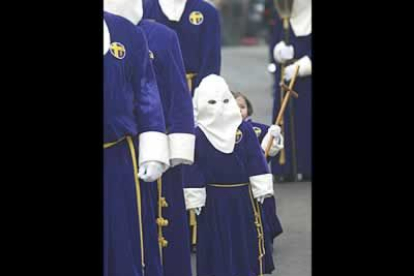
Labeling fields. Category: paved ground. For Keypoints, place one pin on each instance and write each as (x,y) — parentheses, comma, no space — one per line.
(245,70)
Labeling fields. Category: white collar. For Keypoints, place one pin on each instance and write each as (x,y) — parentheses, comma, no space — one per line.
(173,9)
(129,9)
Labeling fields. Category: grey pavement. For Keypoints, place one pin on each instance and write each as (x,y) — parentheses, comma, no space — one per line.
(245,70)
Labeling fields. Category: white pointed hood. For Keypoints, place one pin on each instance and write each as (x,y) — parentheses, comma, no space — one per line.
(217,113)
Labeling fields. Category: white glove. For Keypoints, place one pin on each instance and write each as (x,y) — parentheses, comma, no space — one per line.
(289,71)
(261,199)
(305,68)
(150,171)
(275,131)
(283,52)
(278,141)
(197,211)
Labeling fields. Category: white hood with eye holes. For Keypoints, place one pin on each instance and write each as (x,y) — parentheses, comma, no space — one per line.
(217,113)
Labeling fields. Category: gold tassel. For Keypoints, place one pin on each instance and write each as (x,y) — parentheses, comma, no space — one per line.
(161,222)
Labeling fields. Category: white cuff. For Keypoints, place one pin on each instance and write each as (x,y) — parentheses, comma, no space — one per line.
(262,185)
(153,146)
(182,147)
(305,68)
(194,197)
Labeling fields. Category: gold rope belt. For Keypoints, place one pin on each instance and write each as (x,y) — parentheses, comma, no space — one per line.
(258,220)
(111,144)
(228,185)
(137,188)
(193,219)
(260,231)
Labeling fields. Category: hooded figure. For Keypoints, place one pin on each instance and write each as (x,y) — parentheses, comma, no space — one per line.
(178,112)
(132,113)
(226,183)
(197,25)
(297,52)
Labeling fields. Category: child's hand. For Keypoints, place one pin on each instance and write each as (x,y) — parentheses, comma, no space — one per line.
(278,141)
(275,131)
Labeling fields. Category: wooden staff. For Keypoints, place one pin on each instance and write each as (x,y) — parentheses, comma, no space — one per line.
(282,156)
(289,92)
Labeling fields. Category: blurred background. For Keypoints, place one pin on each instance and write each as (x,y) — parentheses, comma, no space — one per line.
(245,22)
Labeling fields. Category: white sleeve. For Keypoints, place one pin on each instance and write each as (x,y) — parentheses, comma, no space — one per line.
(181,146)
(194,197)
(262,185)
(153,146)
